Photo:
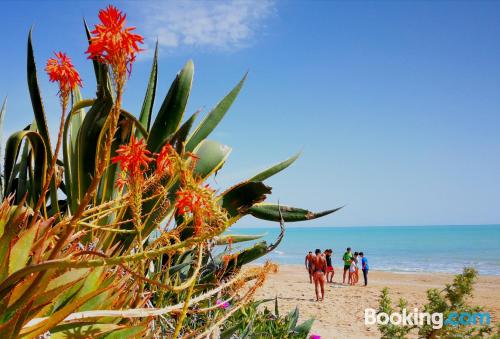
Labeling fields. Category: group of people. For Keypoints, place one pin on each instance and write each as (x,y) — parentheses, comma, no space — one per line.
(320,269)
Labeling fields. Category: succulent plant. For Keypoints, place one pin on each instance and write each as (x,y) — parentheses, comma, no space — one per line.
(122,236)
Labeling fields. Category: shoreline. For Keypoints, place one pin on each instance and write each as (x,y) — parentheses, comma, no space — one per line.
(341,315)
(301,266)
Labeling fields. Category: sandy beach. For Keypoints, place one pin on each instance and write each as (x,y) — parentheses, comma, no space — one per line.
(341,314)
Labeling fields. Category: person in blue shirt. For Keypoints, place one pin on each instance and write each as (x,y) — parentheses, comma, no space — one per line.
(364,267)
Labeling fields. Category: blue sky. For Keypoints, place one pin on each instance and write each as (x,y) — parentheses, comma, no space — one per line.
(394,105)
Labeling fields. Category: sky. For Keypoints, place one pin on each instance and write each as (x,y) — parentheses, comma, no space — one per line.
(395,106)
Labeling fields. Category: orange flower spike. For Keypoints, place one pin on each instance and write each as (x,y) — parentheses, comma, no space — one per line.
(113,43)
(187,201)
(121,181)
(163,160)
(60,69)
(133,158)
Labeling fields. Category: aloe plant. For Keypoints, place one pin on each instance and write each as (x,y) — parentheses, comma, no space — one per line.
(253,323)
(81,254)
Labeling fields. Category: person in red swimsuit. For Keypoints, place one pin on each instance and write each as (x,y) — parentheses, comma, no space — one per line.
(319,270)
(309,265)
(329,267)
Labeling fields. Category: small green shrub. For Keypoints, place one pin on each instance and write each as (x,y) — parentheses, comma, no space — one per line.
(250,322)
(454,298)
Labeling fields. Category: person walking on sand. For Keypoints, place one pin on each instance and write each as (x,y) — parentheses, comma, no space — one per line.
(329,267)
(347,263)
(319,264)
(309,265)
(364,267)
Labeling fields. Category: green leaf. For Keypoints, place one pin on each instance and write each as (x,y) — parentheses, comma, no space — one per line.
(88,134)
(36,99)
(92,283)
(239,198)
(77,116)
(149,99)
(270,212)
(82,330)
(172,109)
(67,277)
(21,250)
(293,317)
(63,298)
(10,329)
(40,162)
(214,117)
(212,156)
(41,121)
(252,253)
(60,315)
(49,297)
(22,180)
(178,138)
(132,332)
(228,333)
(9,233)
(274,169)
(236,238)
(72,126)
(303,329)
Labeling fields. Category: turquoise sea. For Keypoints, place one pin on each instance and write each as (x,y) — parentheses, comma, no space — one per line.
(393,248)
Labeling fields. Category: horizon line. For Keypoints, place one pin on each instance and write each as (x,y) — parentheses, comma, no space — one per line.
(354,226)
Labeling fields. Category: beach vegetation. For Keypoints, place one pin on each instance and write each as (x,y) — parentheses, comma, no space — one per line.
(266,323)
(458,318)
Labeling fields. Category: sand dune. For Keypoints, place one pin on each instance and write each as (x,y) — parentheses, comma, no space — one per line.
(341,315)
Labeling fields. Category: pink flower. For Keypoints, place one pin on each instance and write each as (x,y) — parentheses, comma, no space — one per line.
(222,304)
(315,336)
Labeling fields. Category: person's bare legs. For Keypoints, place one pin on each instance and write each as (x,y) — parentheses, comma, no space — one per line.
(316,285)
(322,284)
(319,285)
(343,278)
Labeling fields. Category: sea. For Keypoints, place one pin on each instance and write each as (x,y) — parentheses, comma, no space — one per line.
(402,249)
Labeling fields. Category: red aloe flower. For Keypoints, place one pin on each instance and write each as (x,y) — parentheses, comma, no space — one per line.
(133,158)
(164,160)
(113,43)
(187,201)
(198,203)
(121,181)
(60,69)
